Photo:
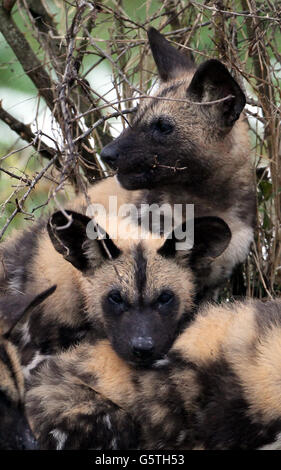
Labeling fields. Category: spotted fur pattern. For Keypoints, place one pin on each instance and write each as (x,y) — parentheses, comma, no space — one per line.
(218,388)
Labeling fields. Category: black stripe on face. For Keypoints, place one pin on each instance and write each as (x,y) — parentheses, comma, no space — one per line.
(140,269)
(153,102)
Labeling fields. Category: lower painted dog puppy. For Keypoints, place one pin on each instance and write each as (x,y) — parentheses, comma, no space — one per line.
(136,293)
(217,388)
(15,433)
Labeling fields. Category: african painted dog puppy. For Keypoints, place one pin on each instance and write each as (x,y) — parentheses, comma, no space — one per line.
(124,298)
(146,292)
(218,388)
(15,433)
(189,152)
(139,299)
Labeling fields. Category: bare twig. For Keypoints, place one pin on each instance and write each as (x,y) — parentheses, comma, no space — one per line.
(26,194)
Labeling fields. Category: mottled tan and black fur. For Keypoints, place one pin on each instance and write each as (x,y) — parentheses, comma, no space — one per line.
(218,388)
(15,432)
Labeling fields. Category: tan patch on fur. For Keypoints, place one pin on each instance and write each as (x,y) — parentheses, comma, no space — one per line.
(78,409)
(158,412)
(243,331)
(203,339)
(212,331)
(100,193)
(258,365)
(112,373)
(49,268)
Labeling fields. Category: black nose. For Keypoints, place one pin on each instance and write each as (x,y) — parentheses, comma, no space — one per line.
(109,155)
(142,347)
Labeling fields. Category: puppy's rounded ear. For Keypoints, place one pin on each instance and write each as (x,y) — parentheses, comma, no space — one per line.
(212,81)
(80,241)
(211,238)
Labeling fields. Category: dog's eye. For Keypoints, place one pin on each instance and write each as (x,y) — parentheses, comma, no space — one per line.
(165,297)
(163,126)
(115,298)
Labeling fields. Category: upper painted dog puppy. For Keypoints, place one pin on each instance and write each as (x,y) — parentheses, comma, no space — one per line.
(189,152)
(218,388)
(15,432)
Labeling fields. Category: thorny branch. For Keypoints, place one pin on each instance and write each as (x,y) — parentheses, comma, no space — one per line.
(20,202)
